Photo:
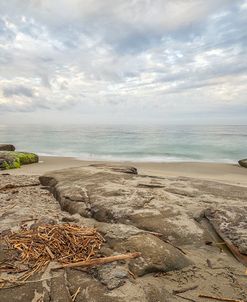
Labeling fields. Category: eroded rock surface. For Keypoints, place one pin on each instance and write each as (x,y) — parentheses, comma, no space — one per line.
(144,202)
(151,215)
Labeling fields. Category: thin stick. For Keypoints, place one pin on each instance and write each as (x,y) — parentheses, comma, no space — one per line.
(153,233)
(132,274)
(188,299)
(183,290)
(219,299)
(75,294)
(99,261)
(50,252)
(176,247)
(15,283)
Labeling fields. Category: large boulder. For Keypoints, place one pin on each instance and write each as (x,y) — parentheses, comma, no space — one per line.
(13,160)
(243,162)
(7,147)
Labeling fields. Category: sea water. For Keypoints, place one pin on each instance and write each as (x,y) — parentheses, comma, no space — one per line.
(157,143)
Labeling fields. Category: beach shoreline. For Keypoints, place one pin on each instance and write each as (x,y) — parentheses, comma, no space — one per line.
(221,172)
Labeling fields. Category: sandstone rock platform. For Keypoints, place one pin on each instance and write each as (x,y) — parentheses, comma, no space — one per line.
(168,220)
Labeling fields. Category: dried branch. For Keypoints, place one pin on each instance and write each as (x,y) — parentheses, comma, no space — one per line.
(63,243)
(99,261)
(219,298)
(75,294)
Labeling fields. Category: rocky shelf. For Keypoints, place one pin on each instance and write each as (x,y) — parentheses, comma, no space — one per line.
(183,228)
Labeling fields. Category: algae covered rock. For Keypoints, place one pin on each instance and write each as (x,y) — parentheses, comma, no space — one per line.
(243,162)
(7,147)
(13,159)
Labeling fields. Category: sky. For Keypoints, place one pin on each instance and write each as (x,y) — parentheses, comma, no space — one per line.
(168,61)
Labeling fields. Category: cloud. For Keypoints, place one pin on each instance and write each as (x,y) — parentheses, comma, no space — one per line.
(96,55)
(11,91)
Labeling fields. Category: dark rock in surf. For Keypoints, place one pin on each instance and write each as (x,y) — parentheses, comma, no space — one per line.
(243,162)
(7,147)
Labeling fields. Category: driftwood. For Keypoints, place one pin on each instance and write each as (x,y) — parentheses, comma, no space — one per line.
(69,245)
(151,186)
(219,298)
(185,298)
(99,261)
(62,243)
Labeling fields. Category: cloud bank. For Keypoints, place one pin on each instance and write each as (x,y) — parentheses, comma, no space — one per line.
(164,59)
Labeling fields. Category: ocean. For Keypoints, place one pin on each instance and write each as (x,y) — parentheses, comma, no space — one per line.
(159,143)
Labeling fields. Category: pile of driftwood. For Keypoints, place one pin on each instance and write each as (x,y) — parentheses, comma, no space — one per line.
(69,245)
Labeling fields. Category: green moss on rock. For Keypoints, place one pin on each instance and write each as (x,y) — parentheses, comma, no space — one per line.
(27,158)
(13,159)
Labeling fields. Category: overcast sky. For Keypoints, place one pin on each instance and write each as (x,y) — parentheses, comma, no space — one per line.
(175,61)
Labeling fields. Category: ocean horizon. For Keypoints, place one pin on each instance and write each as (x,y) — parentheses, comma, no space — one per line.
(142,143)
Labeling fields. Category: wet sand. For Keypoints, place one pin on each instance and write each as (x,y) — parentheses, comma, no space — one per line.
(222,172)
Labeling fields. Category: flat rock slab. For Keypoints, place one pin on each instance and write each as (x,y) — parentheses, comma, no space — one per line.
(116,196)
(152,215)
(164,205)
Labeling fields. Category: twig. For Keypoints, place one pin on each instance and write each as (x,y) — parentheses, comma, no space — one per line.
(27,220)
(62,243)
(219,299)
(49,252)
(75,294)
(132,274)
(183,290)
(176,247)
(99,261)
(188,299)
(152,186)
(153,233)
(15,283)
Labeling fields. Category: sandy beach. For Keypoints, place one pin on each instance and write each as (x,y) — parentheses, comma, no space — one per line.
(226,173)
